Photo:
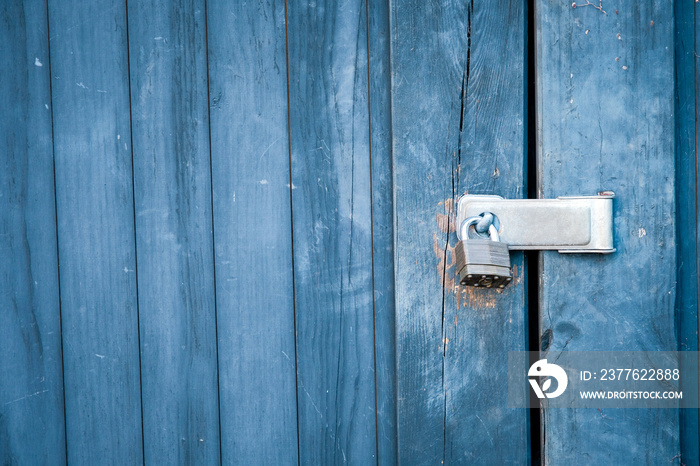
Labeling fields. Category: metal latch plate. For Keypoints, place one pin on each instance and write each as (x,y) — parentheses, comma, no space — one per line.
(581,224)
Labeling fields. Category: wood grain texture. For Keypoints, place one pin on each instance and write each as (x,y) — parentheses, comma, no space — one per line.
(32,427)
(687,215)
(606,122)
(172,195)
(329,127)
(92,143)
(379,37)
(252,226)
(458,124)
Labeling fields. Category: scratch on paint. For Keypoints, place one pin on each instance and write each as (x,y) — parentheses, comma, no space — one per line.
(268,148)
(311,399)
(26,396)
(485,428)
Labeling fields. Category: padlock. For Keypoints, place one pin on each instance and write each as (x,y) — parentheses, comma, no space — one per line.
(482,262)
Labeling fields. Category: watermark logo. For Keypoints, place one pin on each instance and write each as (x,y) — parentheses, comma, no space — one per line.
(603,379)
(551,371)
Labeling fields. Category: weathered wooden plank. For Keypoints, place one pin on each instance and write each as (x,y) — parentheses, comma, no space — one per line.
(252,226)
(605,83)
(491,158)
(687,215)
(32,427)
(459,125)
(92,144)
(172,196)
(330,163)
(382,228)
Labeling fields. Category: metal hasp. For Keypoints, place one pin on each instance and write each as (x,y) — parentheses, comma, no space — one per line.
(581,224)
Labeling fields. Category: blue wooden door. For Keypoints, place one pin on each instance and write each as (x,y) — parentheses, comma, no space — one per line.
(459,125)
(227,229)
(542,100)
(196,233)
(605,86)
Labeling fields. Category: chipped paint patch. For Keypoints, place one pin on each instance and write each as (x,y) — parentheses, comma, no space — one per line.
(466,296)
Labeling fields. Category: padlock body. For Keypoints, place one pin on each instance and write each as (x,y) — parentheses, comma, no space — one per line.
(483,263)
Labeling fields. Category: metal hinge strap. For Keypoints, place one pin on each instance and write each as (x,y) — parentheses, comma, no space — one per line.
(582,224)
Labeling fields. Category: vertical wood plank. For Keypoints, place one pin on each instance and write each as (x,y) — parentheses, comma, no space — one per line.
(32,427)
(459,125)
(95,214)
(690,326)
(252,226)
(491,158)
(379,38)
(330,163)
(687,215)
(605,85)
(172,195)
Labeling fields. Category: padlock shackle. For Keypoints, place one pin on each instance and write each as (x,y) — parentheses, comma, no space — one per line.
(464,229)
